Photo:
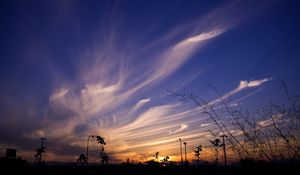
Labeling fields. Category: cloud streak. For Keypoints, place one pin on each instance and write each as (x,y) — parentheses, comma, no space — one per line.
(244,84)
(113,90)
(182,128)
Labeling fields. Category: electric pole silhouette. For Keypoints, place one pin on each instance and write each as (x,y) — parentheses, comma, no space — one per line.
(185,158)
(180,150)
(224,149)
(40,151)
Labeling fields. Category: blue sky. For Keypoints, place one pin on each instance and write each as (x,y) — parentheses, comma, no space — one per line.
(69,69)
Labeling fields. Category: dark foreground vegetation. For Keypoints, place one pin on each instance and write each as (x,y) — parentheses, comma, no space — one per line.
(244,168)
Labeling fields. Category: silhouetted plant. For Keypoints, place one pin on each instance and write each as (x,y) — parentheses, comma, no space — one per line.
(156,156)
(101,140)
(216,144)
(166,159)
(209,109)
(273,134)
(103,156)
(197,151)
(82,159)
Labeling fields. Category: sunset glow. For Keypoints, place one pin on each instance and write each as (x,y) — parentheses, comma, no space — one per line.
(70,69)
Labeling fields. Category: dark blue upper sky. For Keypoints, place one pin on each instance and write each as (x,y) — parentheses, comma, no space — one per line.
(104,66)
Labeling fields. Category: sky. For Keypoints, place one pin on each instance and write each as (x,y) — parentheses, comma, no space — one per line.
(70,69)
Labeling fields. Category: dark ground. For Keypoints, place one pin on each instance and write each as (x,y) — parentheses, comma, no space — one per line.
(18,166)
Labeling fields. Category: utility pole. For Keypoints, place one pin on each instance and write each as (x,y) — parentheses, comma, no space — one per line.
(224,149)
(185,158)
(42,149)
(180,150)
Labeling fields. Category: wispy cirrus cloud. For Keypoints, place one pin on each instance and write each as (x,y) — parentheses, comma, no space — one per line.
(244,84)
(171,59)
(139,104)
(253,83)
(182,127)
(110,93)
(59,94)
(103,93)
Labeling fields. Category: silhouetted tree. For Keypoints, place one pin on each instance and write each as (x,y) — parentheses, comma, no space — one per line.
(271,133)
(103,157)
(209,109)
(82,159)
(102,154)
(156,155)
(101,140)
(216,144)
(197,151)
(164,160)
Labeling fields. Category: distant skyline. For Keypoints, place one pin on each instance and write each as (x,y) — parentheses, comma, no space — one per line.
(70,69)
